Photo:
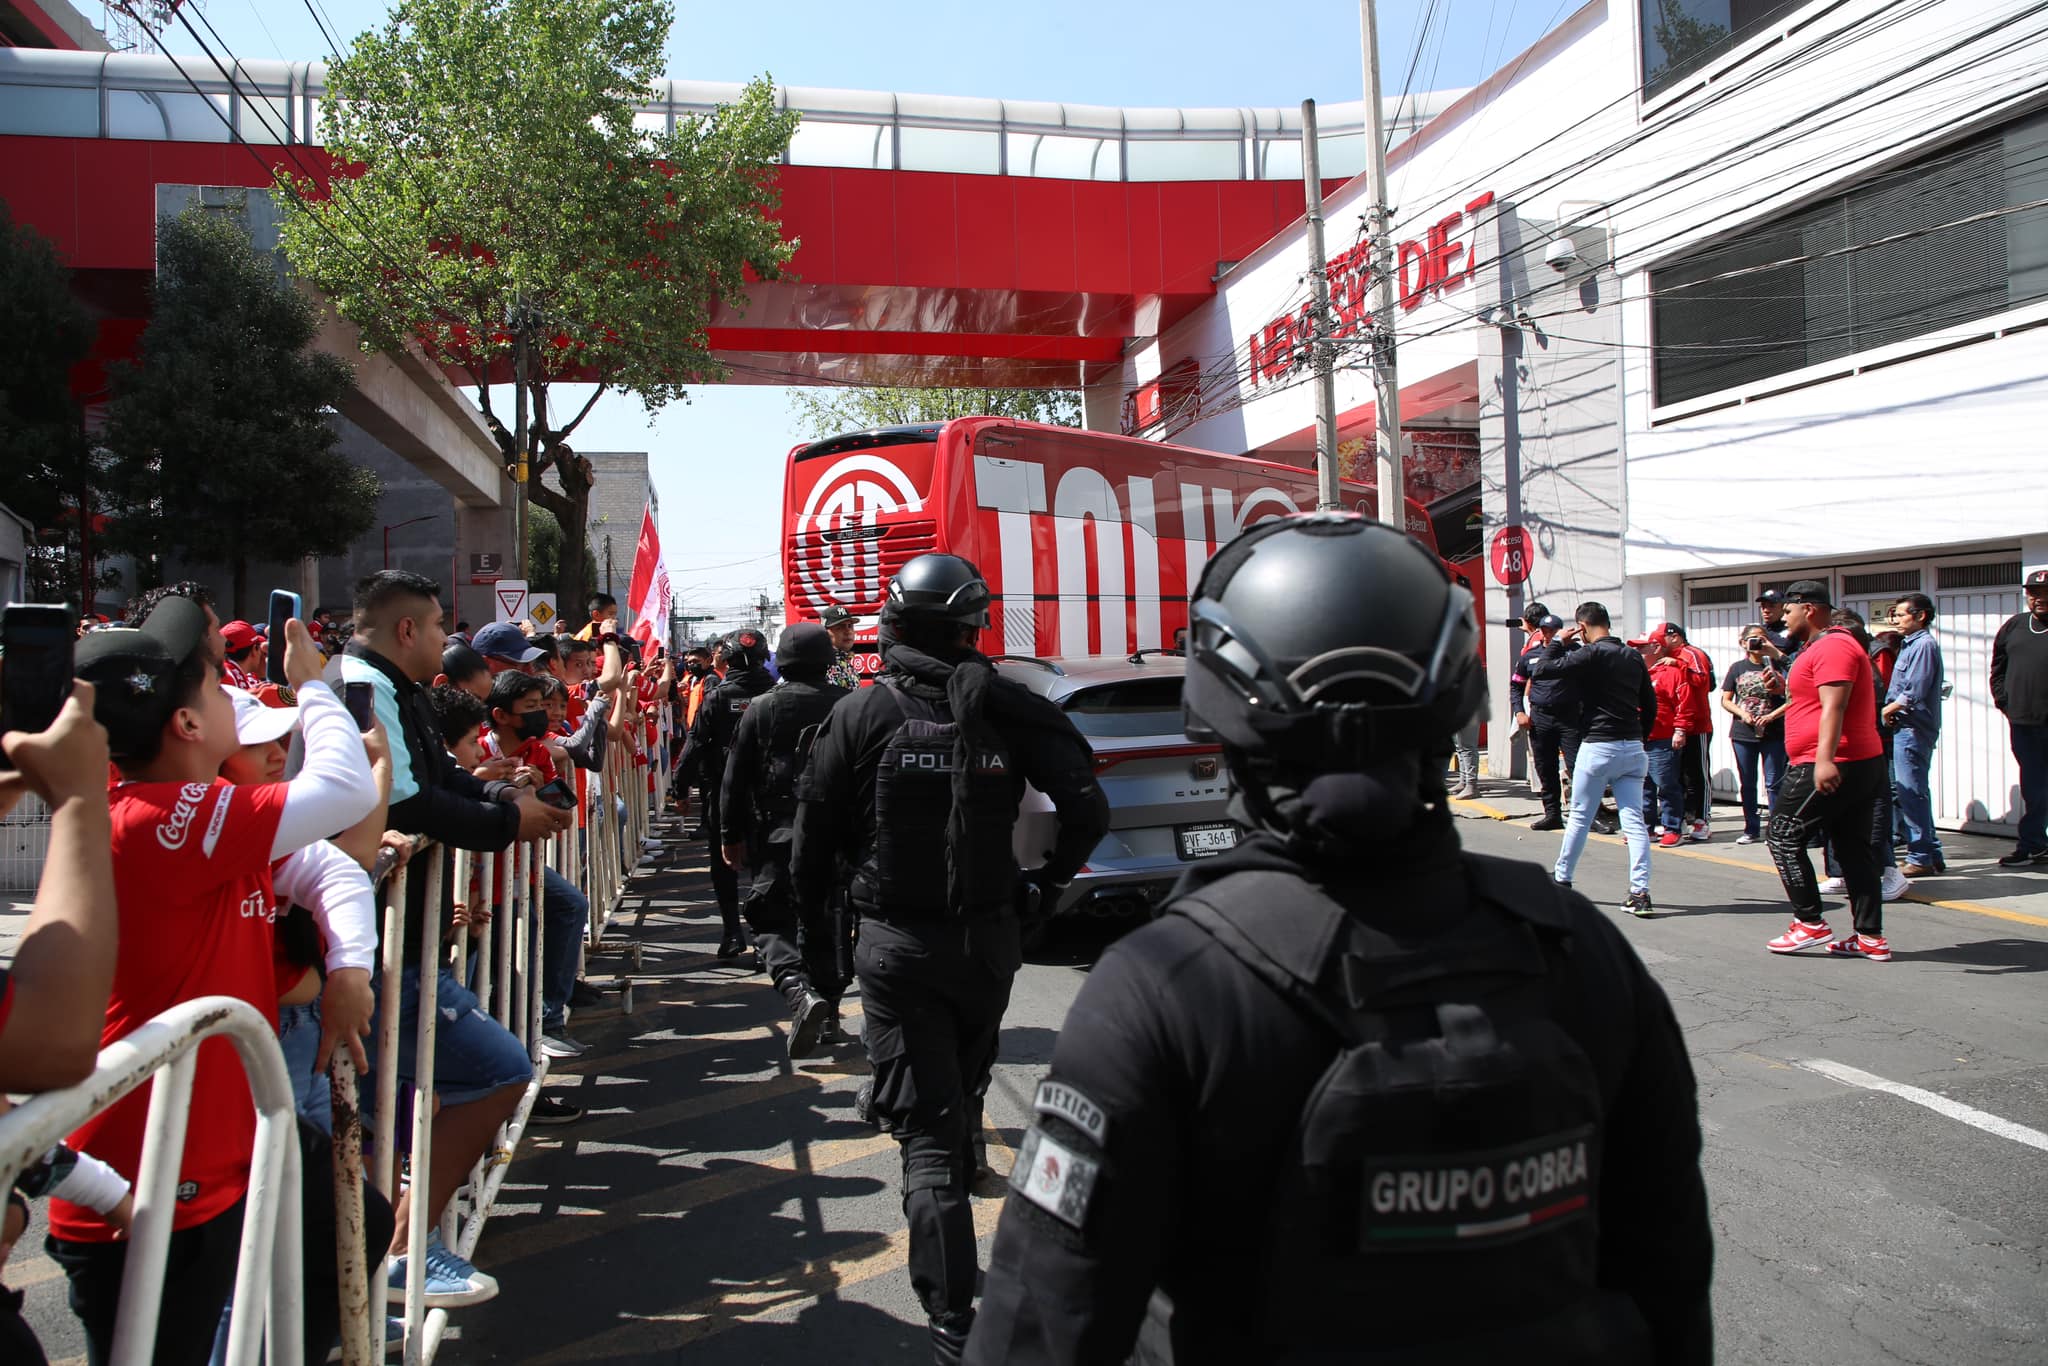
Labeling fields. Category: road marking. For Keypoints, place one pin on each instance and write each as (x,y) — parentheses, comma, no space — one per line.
(674,1048)
(1492,813)
(1967,907)
(1942,1105)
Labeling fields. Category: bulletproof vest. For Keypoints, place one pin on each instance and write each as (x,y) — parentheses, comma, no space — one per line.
(914,798)
(729,703)
(1450,1153)
(792,717)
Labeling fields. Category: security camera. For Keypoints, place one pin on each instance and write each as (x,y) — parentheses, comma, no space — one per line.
(1561,255)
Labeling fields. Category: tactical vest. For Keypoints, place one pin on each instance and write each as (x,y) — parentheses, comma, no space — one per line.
(1441,1202)
(914,796)
(793,720)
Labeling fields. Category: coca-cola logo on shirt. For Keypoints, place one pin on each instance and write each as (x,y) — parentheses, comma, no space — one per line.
(172,833)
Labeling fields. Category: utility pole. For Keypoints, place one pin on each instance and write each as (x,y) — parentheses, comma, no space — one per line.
(1319,294)
(1386,384)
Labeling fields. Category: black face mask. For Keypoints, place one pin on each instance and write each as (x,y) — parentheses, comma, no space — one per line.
(697,668)
(531,725)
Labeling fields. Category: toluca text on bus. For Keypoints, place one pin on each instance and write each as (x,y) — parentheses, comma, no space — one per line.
(1090,541)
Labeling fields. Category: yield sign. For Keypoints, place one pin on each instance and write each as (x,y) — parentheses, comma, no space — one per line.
(511,594)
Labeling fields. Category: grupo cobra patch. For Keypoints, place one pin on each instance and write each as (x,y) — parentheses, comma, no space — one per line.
(1446,1199)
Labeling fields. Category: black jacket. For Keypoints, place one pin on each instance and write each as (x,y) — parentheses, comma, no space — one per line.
(771,728)
(2019,671)
(1617,699)
(835,818)
(1554,698)
(1195,1072)
(718,724)
(451,804)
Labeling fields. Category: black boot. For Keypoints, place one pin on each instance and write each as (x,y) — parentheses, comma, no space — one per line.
(1549,820)
(949,1336)
(832,1035)
(808,1012)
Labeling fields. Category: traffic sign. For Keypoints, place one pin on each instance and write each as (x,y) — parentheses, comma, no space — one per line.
(1513,556)
(511,597)
(541,607)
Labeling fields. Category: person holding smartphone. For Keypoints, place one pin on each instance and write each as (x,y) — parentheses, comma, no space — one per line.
(1753,692)
(192,858)
(519,731)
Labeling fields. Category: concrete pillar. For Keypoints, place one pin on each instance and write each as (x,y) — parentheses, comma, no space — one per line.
(479,530)
(1102,405)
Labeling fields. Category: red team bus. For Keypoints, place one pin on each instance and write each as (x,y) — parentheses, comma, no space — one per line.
(1090,542)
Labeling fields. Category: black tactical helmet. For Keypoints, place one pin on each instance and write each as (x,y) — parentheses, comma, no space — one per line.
(746,648)
(1327,642)
(805,651)
(939,588)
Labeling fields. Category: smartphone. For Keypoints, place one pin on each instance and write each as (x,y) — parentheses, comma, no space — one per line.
(284,607)
(360,699)
(557,794)
(35,676)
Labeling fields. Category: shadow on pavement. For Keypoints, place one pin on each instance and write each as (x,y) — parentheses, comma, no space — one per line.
(1988,956)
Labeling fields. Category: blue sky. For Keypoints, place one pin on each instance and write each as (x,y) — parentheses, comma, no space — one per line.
(718,459)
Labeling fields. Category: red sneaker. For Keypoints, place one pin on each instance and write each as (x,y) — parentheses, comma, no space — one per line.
(1800,935)
(1871,946)
(1668,840)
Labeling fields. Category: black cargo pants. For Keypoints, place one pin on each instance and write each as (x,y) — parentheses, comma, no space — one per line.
(1548,736)
(933,993)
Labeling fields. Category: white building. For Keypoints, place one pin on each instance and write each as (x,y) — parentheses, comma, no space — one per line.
(1772,308)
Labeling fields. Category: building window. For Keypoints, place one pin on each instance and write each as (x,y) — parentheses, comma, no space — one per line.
(1940,241)
(1681,36)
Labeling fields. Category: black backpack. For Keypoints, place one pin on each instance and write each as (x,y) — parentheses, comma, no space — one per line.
(913,810)
(1452,1148)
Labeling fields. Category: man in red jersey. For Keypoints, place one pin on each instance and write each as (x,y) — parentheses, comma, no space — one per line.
(192,859)
(1835,775)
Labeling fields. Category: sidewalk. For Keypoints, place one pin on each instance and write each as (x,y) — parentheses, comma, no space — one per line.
(1973,883)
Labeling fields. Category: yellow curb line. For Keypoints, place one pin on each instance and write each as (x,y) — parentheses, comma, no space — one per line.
(1492,813)
(1967,907)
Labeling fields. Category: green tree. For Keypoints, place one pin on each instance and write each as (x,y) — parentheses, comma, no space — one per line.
(511,219)
(219,446)
(544,555)
(829,412)
(44,332)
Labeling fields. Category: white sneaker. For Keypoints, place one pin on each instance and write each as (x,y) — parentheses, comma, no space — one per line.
(560,1045)
(1698,834)
(1834,886)
(1894,885)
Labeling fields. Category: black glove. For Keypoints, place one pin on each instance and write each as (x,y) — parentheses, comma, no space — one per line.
(1038,895)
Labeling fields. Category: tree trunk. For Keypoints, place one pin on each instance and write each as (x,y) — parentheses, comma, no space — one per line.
(572,511)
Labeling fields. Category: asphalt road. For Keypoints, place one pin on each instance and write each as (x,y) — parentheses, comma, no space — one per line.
(719,1205)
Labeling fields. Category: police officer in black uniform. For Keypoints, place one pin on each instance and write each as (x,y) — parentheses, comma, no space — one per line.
(758,807)
(1547,709)
(914,785)
(1356,1095)
(704,759)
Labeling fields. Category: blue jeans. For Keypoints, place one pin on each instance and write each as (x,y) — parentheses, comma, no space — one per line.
(1665,799)
(564,912)
(298,1033)
(2030,751)
(474,1055)
(1912,758)
(1748,753)
(1622,765)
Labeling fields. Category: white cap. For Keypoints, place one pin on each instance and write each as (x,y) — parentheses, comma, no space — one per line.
(256,723)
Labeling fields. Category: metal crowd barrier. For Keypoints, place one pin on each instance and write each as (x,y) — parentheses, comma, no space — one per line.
(164,1053)
(596,855)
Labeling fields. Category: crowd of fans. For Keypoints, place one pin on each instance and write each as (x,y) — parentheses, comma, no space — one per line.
(1834,727)
(215,832)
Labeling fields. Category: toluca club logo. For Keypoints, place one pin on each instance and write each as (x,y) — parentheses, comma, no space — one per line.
(838,550)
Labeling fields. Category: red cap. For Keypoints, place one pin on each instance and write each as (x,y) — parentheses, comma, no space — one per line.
(1658,635)
(240,635)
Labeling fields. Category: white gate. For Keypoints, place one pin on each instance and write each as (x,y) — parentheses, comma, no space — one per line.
(1718,631)
(1976,782)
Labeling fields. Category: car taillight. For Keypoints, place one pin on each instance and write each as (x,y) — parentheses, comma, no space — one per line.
(1201,755)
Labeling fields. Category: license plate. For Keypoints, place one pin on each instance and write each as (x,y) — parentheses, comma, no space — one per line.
(1206,841)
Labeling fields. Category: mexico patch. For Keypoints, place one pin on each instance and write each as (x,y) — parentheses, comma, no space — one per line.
(1448,1199)
(1055,1178)
(1058,1098)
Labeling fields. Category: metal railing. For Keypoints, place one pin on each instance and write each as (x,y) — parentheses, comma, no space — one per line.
(164,1053)
(149,97)
(614,815)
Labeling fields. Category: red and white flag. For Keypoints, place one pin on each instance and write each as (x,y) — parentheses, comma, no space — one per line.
(647,592)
